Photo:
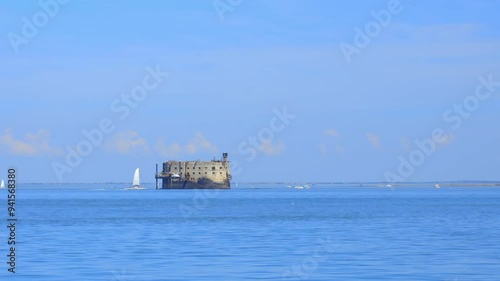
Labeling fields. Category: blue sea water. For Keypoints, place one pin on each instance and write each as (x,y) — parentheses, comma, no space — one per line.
(101,232)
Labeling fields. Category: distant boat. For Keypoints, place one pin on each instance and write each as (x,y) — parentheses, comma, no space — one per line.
(2,185)
(302,186)
(136,183)
(437,186)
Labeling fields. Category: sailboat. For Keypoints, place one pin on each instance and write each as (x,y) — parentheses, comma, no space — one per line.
(136,184)
(2,185)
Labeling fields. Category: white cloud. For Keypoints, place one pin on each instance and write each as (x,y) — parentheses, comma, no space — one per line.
(339,149)
(197,144)
(374,140)
(167,150)
(273,149)
(130,142)
(323,148)
(446,139)
(331,132)
(126,142)
(33,144)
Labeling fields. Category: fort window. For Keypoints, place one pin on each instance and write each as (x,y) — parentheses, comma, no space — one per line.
(213,173)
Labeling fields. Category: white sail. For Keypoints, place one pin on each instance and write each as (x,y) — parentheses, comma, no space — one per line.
(136,181)
(2,185)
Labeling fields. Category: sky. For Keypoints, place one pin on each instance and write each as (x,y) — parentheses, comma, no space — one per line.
(294,91)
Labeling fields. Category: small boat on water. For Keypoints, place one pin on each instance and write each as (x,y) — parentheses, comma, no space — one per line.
(136,183)
(2,185)
(437,186)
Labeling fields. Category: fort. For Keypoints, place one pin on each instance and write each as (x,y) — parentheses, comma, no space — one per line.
(215,174)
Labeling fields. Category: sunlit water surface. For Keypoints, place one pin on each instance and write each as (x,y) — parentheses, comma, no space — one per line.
(101,232)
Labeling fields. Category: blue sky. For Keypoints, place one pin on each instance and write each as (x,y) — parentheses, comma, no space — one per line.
(353,119)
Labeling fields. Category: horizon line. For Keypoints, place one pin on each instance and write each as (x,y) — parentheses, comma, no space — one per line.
(291,182)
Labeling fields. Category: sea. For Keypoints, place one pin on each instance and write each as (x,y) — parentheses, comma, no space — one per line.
(252,232)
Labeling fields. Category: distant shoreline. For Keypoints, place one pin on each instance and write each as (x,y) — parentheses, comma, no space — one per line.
(388,185)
